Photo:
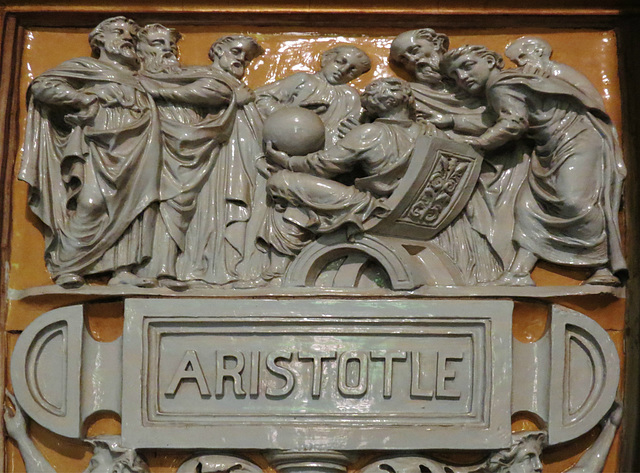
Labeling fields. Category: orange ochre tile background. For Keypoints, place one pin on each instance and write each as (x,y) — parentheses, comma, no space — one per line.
(289,50)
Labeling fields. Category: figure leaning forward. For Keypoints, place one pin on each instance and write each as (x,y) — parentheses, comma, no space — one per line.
(567,211)
(309,200)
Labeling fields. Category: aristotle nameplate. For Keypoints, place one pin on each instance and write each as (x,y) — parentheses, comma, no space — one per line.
(317,374)
(314,374)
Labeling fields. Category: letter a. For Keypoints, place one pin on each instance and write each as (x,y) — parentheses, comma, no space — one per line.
(189,369)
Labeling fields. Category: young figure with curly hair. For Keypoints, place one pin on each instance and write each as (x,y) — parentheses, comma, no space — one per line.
(567,210)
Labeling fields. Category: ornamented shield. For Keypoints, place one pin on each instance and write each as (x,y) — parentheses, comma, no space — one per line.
(438,184)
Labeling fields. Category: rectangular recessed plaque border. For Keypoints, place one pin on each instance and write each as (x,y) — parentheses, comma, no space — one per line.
(486,325)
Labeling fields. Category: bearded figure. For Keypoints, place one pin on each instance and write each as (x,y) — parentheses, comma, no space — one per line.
(212,137)
(198,110)
(479,240)
(92,160)
(308,198)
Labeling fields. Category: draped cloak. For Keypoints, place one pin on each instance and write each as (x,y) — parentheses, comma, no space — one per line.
(93,185)
(567,212)
(479,240)
(312,203)
(218,238)
(337,103)
(192,139)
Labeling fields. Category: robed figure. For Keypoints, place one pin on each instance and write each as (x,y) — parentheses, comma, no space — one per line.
(309,200)
(326,92)
(198,108)
(479,239)
(92,160)
(219,239)
(567,211)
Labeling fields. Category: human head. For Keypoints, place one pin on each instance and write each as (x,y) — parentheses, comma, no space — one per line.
(389,94)
(115,39)
(419,52)
(110,456)
(157,48)
(522,457)
(234,53)
(342,64)
(471,67)
(527,50)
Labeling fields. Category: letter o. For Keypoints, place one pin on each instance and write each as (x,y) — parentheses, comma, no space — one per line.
(363,373)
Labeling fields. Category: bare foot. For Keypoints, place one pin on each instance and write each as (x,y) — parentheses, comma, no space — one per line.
(70,281)
(172,283)
(127,278)
(603,277)
(275,282)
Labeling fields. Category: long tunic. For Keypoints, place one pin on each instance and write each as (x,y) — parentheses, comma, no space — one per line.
(567,212)
(479,240)
(309,202)
(93,182)
(219,238)
(192,137)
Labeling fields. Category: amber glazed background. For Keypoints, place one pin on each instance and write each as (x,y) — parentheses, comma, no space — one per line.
(594,53)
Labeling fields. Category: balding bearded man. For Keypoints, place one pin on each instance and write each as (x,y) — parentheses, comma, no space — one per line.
(198,108)
(92,160)
(211,123)
(479,239)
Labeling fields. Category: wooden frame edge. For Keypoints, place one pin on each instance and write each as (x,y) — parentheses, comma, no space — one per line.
(14,20)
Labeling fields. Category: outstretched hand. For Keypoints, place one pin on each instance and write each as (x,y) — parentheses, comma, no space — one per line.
(244,95)
(276,157)
(316,107)
(14,419)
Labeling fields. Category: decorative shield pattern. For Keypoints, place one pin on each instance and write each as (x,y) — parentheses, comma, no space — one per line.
(437,186)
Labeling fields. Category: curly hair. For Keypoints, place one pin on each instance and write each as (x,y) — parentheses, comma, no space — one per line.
(439,40)
(502,460)
(368,96)
(255,49)
(95,40)
(363,63)
(450,57)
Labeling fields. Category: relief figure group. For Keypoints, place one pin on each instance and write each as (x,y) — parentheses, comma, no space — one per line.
(160,174)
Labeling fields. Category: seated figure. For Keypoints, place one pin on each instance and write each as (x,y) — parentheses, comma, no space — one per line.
(308,200)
